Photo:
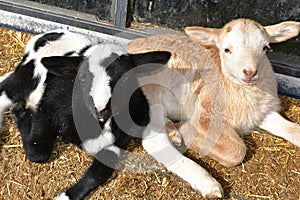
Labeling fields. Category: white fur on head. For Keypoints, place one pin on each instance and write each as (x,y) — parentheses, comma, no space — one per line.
(100,90)
(36,95)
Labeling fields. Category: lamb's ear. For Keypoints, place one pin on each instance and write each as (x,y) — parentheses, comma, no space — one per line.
(157,57)
(205,36)
(62,65)
(283,31)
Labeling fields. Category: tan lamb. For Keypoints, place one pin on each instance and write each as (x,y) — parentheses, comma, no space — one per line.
(218,84)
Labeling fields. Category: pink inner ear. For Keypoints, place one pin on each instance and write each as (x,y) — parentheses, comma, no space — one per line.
(100,107)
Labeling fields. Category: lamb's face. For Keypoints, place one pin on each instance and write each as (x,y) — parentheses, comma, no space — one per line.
(108,67)
(243,49)
(98,75)
(242,45)
(101,68)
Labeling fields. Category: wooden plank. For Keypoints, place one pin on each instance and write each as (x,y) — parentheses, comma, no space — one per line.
(120,12)
(62,16)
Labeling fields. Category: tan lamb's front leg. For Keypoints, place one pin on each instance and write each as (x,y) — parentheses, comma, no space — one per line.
(224,145)
(277,125)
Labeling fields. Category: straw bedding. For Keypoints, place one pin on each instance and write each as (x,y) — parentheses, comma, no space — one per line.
(271,169)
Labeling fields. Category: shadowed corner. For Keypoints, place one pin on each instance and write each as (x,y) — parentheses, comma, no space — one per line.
(251,145)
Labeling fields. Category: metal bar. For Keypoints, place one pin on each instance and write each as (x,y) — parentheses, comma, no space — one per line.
(285,65)
(121,9)
(66,17)
(288,85)
(34,25)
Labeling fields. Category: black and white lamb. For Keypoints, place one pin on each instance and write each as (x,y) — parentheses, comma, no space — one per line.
(27,82)
(85,115)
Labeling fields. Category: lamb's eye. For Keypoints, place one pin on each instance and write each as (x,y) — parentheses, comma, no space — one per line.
(227,51)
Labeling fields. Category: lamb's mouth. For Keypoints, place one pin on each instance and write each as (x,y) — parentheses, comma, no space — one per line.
(103,115)
(249,81)
(238,79)
(246,81)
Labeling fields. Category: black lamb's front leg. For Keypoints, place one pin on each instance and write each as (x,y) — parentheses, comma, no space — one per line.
(98,173)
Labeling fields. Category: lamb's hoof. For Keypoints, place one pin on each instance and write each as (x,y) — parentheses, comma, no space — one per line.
(175,137)
(62,196)
(214,195)
(294,134)
(211,189)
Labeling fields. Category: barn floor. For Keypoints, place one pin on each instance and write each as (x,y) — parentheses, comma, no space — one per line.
(271,169)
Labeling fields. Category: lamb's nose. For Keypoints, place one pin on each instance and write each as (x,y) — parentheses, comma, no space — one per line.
(100,107)
(249,74)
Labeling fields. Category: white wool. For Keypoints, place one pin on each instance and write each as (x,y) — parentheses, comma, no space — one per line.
(101,90)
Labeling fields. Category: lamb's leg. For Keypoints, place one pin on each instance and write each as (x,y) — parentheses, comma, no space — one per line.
(5,102)
(107,155)
(98,173)
(277,125)
(157,144)
(223,145)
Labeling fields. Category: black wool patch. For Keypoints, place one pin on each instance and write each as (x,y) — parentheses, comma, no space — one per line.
(46,38)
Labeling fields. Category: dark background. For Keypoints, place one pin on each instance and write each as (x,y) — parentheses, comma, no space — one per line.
(177,14)
(102,9)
